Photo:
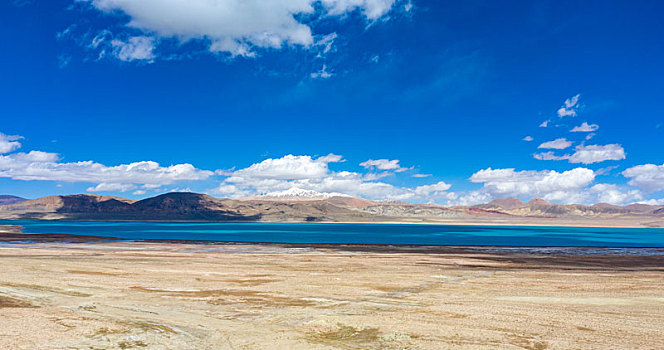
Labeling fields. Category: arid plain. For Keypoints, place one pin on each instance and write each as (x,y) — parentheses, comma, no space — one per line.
(105,294)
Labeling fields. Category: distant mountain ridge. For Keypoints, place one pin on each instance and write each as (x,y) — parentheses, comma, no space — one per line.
(8,199)
(309,206)
(540,207)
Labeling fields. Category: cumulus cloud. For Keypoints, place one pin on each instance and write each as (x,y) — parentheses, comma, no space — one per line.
(587,154)
(531,183)
(597,153)
(289,167)
(236,27)
(649,177)
(610,193)
(652,201)
(33,157)
(45,166)
(383,164)
(560,143)
(545,124)
(528,138)
(585,127)
(146,172)
(309,173)
(427,190)
(569,187)
(570,107)
(9,143)
(471,198)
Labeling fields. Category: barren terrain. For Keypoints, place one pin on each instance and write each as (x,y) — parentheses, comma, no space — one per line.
(128,295)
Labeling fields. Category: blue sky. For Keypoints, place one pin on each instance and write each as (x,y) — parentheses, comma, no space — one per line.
(421,101)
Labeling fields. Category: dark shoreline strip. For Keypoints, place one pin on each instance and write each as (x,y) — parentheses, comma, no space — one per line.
(572,258)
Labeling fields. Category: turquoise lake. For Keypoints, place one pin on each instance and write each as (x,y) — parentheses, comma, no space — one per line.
(467,235)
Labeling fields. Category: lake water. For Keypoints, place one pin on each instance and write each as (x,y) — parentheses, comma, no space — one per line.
(468,235)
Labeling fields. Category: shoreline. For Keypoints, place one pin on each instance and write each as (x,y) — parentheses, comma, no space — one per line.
(583,224)
(18,238)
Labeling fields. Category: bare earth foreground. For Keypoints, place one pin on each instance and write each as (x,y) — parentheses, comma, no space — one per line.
(109,295)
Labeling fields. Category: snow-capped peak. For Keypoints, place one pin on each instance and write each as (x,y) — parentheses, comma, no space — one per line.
(296,193)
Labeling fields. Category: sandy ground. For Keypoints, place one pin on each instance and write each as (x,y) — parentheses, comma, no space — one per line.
(110,295)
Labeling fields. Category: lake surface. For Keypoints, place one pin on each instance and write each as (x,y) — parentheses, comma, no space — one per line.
(468,235)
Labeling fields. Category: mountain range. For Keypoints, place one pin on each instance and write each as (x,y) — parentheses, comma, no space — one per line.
(310,206)
(5,199)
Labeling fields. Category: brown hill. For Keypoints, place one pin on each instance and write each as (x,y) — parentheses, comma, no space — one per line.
(537,202)
(186,206)
(81,203)
(506,203)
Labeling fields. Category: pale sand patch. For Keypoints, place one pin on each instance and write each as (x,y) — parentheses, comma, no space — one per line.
(586,301)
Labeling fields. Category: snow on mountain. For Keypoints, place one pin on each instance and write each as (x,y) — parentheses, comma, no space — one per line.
(295,194)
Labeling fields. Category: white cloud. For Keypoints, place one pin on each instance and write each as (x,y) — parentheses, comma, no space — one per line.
(43,166)
(572,102)
(372,9)
(326,42)
(528,138)
(9,143)
(139,192)
(560,143)
(421,175)
(649,177)
(587,154)
(652,201)
(585,127)
(427,190)
(597,153)
(308,173)
(289,167)
(178,189)
(111,187)
(237,27)
(136,48)
(471,198)
(590,136)
(568,187)
(570,107)
(33,156)
(531,183)
(383,164)
(610,193)
(544,124)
